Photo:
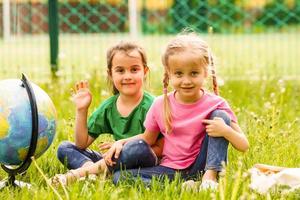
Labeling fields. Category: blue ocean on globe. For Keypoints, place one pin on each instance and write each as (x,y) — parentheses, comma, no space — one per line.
(16,121)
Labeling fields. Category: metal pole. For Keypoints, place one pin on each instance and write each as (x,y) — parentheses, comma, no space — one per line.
(133,18)
(6,19)
(53,34)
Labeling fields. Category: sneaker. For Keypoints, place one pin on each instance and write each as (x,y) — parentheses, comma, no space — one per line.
(90,177)
(190,185)
(64,179)
(59,179)
(208,185)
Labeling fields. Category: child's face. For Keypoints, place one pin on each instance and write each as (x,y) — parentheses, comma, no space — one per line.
(187,76)
(128,72)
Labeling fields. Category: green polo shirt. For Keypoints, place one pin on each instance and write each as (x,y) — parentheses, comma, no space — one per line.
(107,119)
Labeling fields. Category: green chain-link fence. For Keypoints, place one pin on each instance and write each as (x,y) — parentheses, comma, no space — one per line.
(92,17)
(168,16)
(225,16)
(246,33)
(26,17)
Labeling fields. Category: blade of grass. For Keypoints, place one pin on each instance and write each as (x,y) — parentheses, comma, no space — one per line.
(47,181)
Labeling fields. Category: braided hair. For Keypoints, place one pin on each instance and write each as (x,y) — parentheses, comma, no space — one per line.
(213,74)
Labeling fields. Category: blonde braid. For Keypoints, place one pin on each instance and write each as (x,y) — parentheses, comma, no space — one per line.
(167,108)
(213,73)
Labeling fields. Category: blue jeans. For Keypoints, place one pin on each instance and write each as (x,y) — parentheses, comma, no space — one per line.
(134,154)
(212,153)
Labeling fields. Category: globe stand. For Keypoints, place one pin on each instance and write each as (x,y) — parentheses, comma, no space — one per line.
(13,171)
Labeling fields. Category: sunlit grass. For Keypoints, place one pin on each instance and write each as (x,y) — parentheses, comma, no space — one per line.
(268,112)
(238,56)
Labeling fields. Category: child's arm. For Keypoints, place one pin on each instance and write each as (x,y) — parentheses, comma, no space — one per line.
(237,138)
(82,139)
(148,136)
(158,147)
(233,133)
(82,99)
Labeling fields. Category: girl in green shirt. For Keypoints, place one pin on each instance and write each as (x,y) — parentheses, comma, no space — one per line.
(122,115)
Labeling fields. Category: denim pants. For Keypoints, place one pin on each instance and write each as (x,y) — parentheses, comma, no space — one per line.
(212,153)
(134,154)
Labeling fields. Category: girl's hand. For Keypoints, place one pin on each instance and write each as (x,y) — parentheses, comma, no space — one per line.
(113,153)
(105,145)
(82,96)
(216,127)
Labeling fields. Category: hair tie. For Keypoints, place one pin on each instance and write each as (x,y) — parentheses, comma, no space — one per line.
(165,90)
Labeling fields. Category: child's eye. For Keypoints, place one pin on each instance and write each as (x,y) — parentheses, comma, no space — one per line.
(194,73)
(119,70)
(134,70)
(178,74)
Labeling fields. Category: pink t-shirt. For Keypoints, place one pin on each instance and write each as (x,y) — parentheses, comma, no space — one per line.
(183,143)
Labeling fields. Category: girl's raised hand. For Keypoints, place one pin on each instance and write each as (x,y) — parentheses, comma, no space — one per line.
(82,96)
(216,127)
(113,153)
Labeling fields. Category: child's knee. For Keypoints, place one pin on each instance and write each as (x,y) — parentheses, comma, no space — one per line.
(63,148)
(136,147)
(221,114)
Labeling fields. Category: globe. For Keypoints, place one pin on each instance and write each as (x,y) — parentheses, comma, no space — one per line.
(16,121)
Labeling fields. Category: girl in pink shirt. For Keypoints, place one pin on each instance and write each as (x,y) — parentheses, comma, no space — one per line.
(197,125)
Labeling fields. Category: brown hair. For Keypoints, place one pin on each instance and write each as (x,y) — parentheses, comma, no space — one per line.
(125,47)
(185,42)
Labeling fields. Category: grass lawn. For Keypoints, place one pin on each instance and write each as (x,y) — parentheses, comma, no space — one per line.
(238,56)
(259,89)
